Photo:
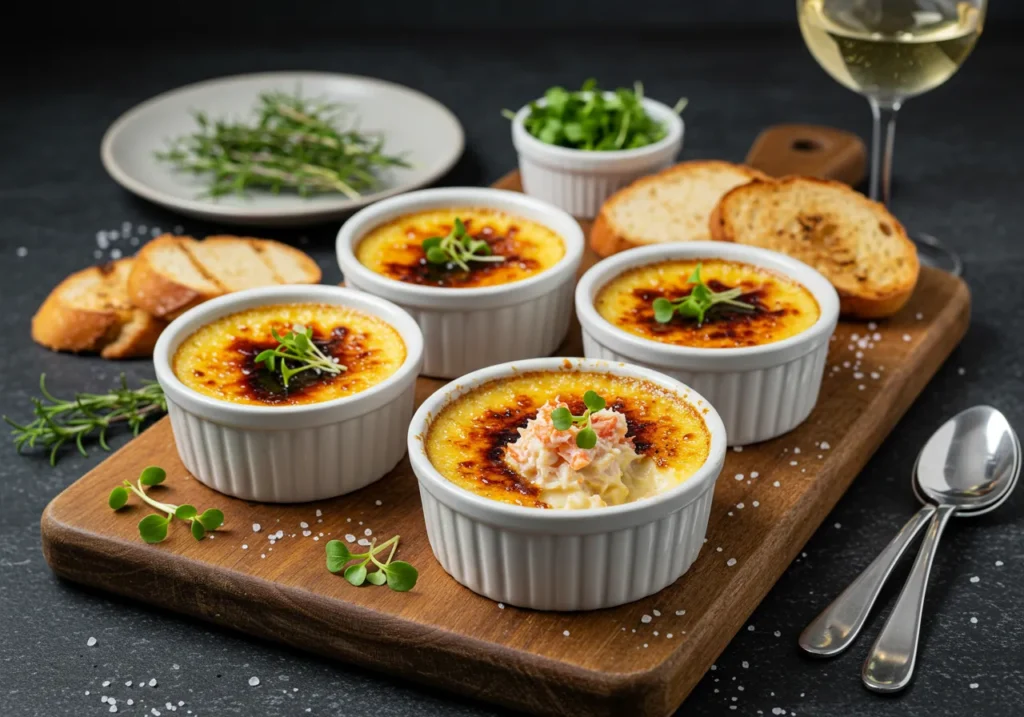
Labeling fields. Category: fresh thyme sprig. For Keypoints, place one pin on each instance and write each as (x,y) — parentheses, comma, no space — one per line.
(399,576)
(153,528)
(562,419)
(298,348)
(295,143)
(59,421)
(458,248)
(697,304)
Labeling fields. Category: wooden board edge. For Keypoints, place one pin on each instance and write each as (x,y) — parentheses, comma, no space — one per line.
(948,330)
(546,686)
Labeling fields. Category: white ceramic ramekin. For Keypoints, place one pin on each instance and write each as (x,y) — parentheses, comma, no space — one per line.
(579,181)
(564,559)
(467,329)
(760,391)
(290,454)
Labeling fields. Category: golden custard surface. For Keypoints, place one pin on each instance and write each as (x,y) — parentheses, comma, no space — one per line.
(218,360)
(466,441)
(395,249)
(782,307)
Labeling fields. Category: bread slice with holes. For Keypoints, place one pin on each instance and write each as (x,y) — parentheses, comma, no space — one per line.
(90,312)
(173,274)
(855,242)
(672,205)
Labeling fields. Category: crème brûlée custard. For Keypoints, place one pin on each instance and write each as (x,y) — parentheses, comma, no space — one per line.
(219,359)
(506,440)
(765,306)
(495,248)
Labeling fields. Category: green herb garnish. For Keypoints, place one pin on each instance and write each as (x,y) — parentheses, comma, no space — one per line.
(562,419)
(590,120)
(153,528)
(304,145)
(59,421)
(699,302)
(295,353)
(458,248)
(399,576)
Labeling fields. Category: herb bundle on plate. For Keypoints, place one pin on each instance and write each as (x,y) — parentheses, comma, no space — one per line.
(295,144)
(594,120)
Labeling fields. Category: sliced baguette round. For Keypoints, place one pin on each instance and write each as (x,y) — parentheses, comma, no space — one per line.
(855,242)
(166,281)
(289,265)
(90,312)
(672,205)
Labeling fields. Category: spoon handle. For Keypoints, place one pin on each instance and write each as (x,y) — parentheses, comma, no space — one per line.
(890,664)
(837,626)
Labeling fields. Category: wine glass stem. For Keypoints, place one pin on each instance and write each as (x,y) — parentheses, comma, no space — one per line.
(883,137)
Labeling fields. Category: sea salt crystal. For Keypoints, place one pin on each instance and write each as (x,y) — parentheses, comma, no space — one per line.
(825,446)
(919,316)
(740,506)
(738,449)
(975,579)
(367,532)
(363,541)
(680,613)
(378,502)
(155,712)
(91,641)
(794,463)
(974,620)
(776,484)
(858,376)
(739,476)
(303,524)
(254,681)
(152,682)
(256,527)
(745,665)
(907,338)
(838,526)
(961,370)
(669,636)
(730,562)
(245,546)
(656,613)
(319,512)
(973,685)
(565,632)
(106,683)
(21,251)
(306,533)
(756,503)
(754,474)
(350,538)
(999,563)
(777,633)
(128,683)
(501,606)
(645,619)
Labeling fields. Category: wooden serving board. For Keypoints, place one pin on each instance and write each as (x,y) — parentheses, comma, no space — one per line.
(642,658)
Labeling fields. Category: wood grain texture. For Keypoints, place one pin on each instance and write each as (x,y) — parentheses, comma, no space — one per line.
(809,150)
(442,634)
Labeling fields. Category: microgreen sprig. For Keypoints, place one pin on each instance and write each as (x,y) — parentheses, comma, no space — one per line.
(458,248)
(153,528)
(298,348)
(59,421)
(398,575)
(563,419)
(699,302)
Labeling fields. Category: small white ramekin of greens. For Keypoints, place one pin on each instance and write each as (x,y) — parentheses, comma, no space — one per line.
(576,148)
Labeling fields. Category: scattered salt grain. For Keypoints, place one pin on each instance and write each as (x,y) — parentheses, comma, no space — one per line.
(565,632)
(750,628)
(256,527)
(745,665)
(858,375)
(130,701)
(303,524)
(907,338)
(974,620)
(367,532)
(739,506)
(245,546)
(919,316)
(254,681)
(739,476)
(128,683)
(738,449)
(501,606)
(824,445)
(91,642)
(999,563)
(106,683)
(776,484)
(115,254)
(152,682)
(730,562)
(378,502)
(656,613)
(838,526)
(306,533)
(668,636)
(319,512)
(777,633)
(350,538)
(645,619)
(263,555)
(961,370)
(21,251)
(680,613)
(155,712)
(363,541)
(754,474)
(794,463)
(975,579)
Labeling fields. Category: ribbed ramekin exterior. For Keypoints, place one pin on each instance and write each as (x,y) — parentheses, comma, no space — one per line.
(458,341)
(578,192)
(545,571)
(285,465)
(755,405)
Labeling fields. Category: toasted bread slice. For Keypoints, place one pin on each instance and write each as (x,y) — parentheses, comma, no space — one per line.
(289,265)
(166,281)
(855,242)
(90,312)
(232,262)
(672,205)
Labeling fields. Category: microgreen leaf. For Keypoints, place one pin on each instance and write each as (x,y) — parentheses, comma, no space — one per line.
(211,518)
(297,347)
(377,577)
(561,418)
(118,497)
(437,255)
(431,242)
(700,300)
(457,248)
(356,574)
(663,310)
(198,531)
(186,512)
(593,401)
(153,475)
(401,576)
(586,438)
(153,528)
(337,555)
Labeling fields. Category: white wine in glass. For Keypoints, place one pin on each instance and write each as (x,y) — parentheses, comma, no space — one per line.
(888,51)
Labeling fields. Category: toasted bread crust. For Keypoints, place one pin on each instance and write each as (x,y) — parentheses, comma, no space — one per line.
(303,260)
(860,302)
(157,293)
(606,240)
(64,328)
(137,337)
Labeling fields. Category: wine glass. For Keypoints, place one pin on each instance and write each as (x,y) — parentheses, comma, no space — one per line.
(888,51)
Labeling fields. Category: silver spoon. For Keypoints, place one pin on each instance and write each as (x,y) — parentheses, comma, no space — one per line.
(968,467)
(838,625)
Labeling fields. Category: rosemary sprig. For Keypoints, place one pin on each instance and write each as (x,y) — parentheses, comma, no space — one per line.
(458,248)
(563,419)
(295,353)
(700,300)
(295,144)
(153,528)
(59,421)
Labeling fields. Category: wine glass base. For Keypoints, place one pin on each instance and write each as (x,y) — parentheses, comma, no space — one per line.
(932,252)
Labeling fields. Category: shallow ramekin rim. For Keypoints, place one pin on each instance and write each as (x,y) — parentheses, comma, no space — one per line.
(587,519)
(646,350)
(368,218)
(264,417)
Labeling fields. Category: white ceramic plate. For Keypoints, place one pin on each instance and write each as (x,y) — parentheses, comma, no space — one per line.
(423,130)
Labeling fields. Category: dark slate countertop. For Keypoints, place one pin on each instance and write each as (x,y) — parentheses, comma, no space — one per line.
(958,175)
